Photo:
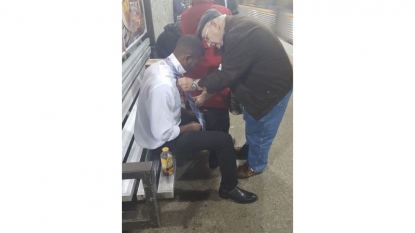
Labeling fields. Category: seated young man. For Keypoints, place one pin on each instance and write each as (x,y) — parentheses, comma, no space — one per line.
(159,117)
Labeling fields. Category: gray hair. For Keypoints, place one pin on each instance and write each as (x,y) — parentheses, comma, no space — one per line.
(206,17)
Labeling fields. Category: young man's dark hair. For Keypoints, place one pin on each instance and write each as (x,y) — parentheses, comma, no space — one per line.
(189,44)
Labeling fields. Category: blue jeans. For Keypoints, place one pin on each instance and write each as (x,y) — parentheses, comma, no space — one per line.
(260,134)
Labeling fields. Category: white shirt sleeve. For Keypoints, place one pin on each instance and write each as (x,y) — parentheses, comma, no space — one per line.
(162,110)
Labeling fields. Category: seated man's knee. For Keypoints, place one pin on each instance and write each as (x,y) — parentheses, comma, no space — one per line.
(226,138)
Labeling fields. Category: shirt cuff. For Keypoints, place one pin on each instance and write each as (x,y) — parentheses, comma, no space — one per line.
(200,84)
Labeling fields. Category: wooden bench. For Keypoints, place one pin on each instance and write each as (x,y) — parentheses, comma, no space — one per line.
(140,167)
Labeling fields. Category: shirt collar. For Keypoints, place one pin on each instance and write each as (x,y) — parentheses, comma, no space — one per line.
(176,64)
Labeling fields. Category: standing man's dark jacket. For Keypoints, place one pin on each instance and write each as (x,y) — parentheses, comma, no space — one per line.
(254,65)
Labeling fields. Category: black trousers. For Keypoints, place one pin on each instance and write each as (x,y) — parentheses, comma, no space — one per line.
(217,119)
(218,142)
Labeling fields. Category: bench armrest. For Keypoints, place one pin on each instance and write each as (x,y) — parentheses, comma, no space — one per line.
(136,170)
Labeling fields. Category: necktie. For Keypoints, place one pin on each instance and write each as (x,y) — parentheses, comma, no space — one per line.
(190,99)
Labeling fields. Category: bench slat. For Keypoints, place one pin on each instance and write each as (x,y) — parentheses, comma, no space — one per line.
(128,131)
(131,95)
(131,62)
(132,75)
(135,153)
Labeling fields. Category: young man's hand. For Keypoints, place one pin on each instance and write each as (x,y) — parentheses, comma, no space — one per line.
(194,126)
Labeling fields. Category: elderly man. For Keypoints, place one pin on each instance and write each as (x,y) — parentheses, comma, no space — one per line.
(161,122)
(259,73)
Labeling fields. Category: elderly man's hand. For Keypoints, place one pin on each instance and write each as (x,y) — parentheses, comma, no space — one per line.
(201,99)
(185,83)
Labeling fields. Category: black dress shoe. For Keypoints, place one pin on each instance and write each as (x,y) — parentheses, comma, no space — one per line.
(238,195)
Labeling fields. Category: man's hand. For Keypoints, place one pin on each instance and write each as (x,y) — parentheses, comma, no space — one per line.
(201,99)
(194,126)
(185,83)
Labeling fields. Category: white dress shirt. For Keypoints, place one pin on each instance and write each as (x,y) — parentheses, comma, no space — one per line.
(158,105)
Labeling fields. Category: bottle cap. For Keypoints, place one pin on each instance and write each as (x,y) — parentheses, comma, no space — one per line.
(165,149)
